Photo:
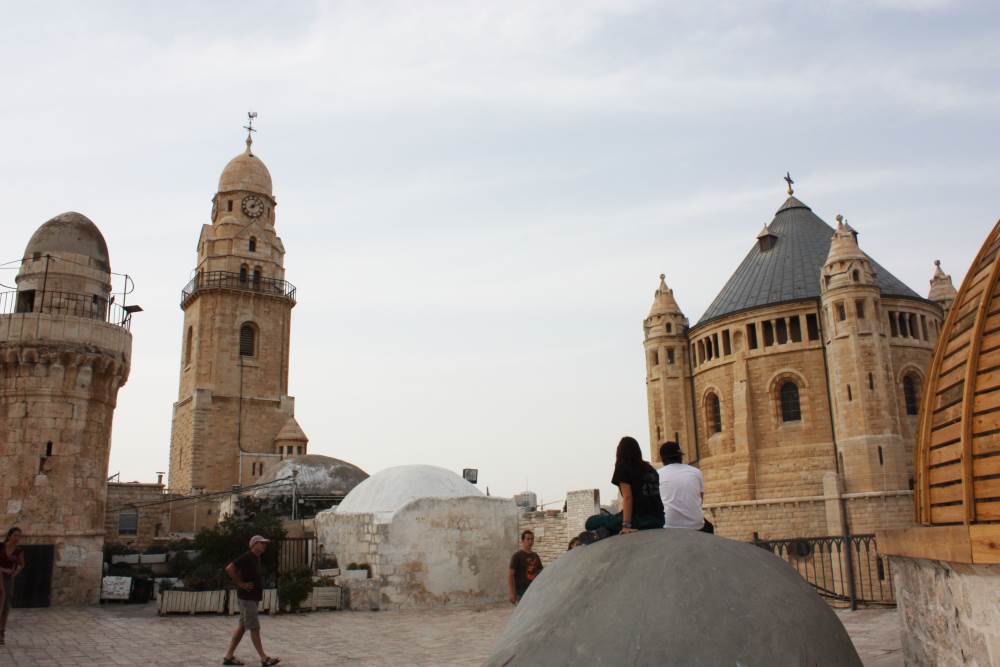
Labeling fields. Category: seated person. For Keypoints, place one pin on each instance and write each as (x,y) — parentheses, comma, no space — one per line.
(682,490)
(639,485)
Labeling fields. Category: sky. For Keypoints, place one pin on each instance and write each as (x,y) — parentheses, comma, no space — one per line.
(477,198)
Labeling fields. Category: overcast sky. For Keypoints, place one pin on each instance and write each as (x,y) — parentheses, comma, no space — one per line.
(477,198)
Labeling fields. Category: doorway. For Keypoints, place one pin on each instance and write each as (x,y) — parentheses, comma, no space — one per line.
(33,586)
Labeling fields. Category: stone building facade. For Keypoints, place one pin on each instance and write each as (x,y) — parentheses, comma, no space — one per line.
(138,514)
(797,391)
(234,417)
(65,351)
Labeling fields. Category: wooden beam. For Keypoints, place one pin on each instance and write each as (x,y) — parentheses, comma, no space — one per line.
(985,540)
(948,543)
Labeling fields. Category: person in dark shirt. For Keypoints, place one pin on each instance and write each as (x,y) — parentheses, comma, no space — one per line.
(639,485)
(247,573)
(11,563)
(525,565)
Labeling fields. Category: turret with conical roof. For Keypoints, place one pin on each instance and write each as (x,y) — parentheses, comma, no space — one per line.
(942,291)
(668,373)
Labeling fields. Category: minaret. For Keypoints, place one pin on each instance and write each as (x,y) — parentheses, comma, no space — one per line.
(668,375)
(942,291)
(233,399)
(870,449)
(65,351)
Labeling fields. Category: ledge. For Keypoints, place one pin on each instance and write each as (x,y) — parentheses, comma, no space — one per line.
(977,544)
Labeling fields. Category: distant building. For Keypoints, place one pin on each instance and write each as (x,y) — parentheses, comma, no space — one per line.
(526,501)
(799,385)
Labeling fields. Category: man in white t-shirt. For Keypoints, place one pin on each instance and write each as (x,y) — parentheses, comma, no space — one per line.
(682,490)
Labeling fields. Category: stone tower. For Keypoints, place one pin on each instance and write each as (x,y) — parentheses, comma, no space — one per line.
(65,350)
(942,290)
(668,375)
(233,400)
(867,429)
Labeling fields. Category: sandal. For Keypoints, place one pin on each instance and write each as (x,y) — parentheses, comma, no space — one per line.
(232,661)
(270,660)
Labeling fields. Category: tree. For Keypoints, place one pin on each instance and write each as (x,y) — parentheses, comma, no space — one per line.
(220,545)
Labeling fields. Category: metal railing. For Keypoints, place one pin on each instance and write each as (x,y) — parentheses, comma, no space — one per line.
(843,569)
(206,280)
(86,306)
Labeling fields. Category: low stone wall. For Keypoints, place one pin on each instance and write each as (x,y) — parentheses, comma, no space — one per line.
(554,529)
(949,611)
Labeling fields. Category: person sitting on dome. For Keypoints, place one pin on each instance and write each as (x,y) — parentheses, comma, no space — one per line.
(639,485)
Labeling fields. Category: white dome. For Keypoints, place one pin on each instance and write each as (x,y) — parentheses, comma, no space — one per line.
(386,492)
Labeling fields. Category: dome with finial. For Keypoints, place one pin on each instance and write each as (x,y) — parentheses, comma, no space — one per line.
(246,172)
(663,300)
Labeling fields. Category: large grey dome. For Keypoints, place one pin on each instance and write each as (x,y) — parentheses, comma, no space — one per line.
(70,232)
(672,597)
(317,476)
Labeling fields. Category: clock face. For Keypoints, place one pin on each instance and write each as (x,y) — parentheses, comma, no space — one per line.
(253,206)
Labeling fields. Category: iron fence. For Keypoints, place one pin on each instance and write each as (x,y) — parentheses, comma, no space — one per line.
(51,302)
(295,552)
(243,282)
(844,569)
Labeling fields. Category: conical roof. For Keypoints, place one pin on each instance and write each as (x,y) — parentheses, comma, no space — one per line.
(291,432)
(663,299)
(788,270)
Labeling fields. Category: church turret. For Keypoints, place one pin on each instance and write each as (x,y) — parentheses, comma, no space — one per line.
(233,400)
(668,375)
(867,430)
(942,289)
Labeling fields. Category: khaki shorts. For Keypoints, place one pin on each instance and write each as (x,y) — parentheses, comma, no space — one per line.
(248,615)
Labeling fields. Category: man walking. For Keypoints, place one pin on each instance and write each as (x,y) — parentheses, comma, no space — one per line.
(247,573)
(682,490)
(525,565)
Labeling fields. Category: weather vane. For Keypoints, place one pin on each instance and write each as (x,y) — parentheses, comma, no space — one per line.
(788,179)
(249,126)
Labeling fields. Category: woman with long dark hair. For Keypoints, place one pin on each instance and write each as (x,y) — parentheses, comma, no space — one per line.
(639,485)
(11,562)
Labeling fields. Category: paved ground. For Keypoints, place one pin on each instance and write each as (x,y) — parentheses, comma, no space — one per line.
(134,635)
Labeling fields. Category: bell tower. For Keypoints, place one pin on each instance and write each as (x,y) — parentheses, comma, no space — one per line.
(233,399)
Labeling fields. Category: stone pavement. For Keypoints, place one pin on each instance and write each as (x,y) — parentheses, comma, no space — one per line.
(134,635)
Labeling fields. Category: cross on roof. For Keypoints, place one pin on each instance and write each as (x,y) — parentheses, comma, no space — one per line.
(249,126)
(788,179)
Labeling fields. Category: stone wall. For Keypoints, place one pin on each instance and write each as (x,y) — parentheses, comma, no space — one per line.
(554,529)
(154,519)
(949,612)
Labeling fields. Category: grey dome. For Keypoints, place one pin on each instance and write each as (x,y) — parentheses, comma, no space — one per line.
(317,476)
(672,597)
(389,490)
(70,232)
(790,269)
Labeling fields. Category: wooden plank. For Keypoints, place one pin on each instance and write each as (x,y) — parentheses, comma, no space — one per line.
(945,474)
(988,380)
(946,434)
(950,413)
(954,352)
(985,423)
(946,494)
(947,454)
(989,359)
(985,466)
(947,514)
(987,443)
(985,542)
(948,543)
(988,400)
(987,488)
(951,378)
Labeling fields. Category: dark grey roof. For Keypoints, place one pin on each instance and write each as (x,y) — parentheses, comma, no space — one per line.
(790,269)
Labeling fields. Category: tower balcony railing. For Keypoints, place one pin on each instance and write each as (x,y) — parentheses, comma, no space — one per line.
(50,302)
(227,280)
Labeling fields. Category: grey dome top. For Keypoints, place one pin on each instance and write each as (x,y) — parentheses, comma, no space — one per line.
(70,232)
(790,269)
(317,476)
(389,490)
(672,597)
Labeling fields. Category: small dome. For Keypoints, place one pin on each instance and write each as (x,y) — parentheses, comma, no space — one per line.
(73,233)
(246,172)
(388,491)
(317,476)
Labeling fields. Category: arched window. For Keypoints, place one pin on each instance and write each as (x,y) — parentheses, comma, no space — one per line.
(248,340)
(713,414)
(187,345)
(128,521)
(243,273)
(256,277)
(790,409)
(911,393)
(253,244)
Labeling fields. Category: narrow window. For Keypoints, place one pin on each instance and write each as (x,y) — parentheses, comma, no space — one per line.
(781,330)
(812,326)
(654,358)
(841,312)
(855,275)
(923,327)
(904,329)
(701,352)
(727,346)
(768,333)
(790,409)
(752,336)
(713,414)
(849,397)
(243,273)
(256,277)
(659,432)
(715,344)
(859,308)
(229,205)
(670,327)
(881,461)
(187,346)
(893,329)
(708,348)
(796,330)
(871,382)
(128,521)
(48,448)
(911,394)
(670,355)
(247,340)
(914,333)
(253,244)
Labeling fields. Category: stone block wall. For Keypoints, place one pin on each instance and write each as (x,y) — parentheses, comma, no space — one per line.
(154,519)
(551,535)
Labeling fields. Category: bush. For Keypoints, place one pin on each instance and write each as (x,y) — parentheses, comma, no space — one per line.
(294,587)
(180,564)
(156,549)
(166,585)
(204,577)
(222,544)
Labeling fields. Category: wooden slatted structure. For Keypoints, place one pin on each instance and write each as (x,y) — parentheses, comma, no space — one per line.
(958,441)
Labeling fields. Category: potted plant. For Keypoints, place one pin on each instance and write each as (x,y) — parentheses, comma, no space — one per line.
(294,587)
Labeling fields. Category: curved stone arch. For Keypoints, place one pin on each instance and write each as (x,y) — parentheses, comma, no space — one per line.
(909,369)
(774,384)
(253,341)
(711,390)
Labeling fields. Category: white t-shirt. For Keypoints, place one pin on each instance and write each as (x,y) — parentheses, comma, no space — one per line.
(681,487)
